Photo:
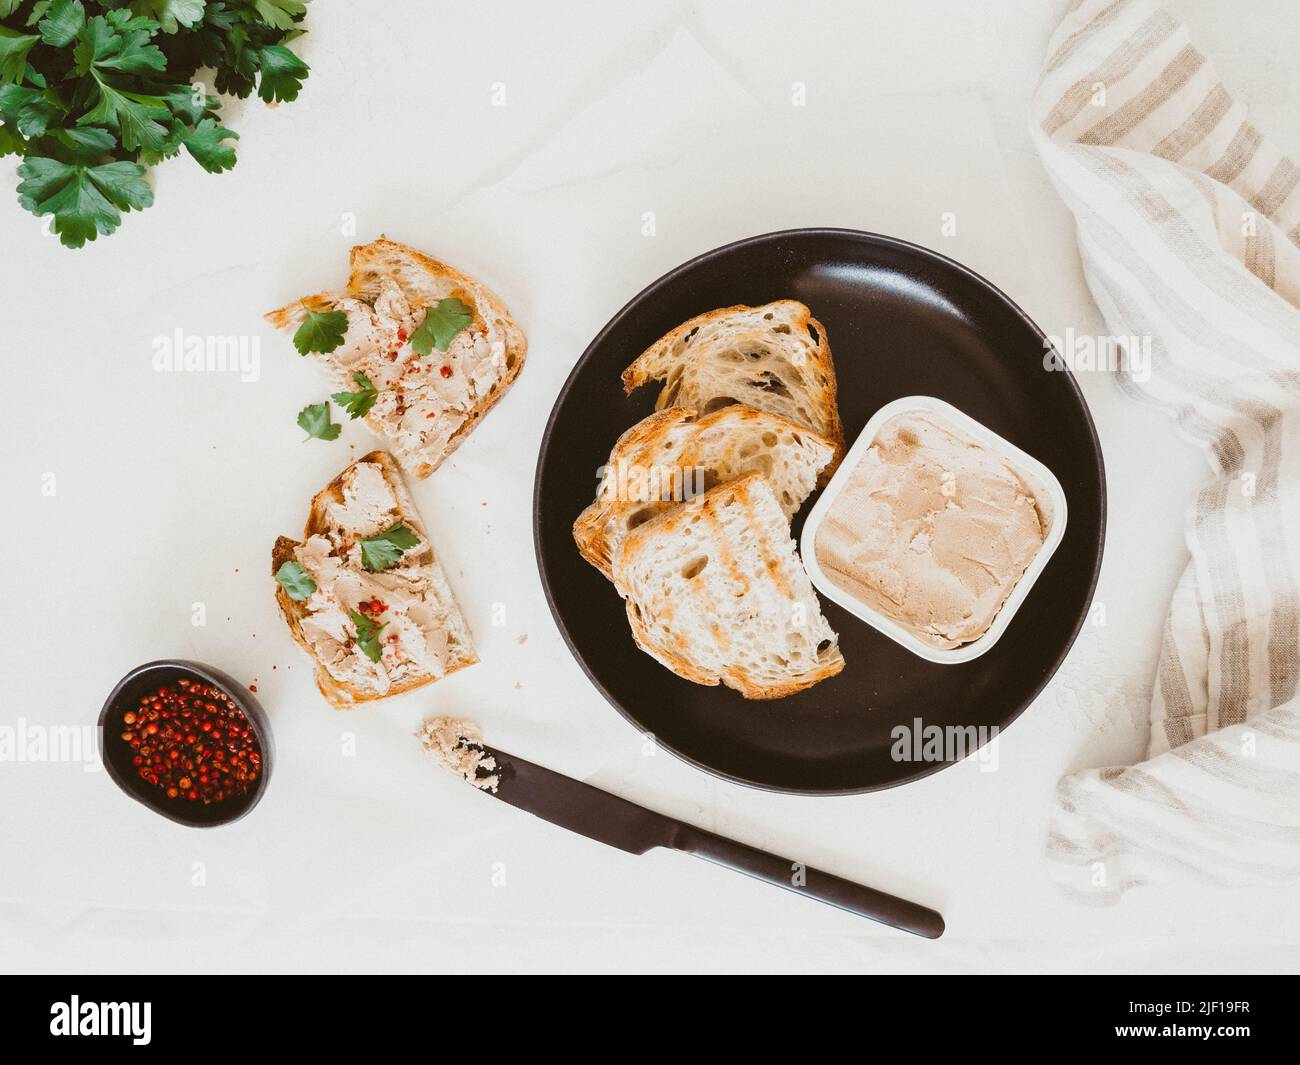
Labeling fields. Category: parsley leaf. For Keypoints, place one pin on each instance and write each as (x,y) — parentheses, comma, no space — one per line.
(282,74)
(380,552)
(442,322)
(134,115)
(87,145)
(11,142)
(118,42)
(171,14)
(14,47)
(295,581)
(358,403)
(29,111)
(314,420)
(62,22)
(320,332)
(367,635)
(280,13)
(206,143)
(85,200)
(190,102)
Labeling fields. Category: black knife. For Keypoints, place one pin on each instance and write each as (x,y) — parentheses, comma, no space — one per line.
(608,819)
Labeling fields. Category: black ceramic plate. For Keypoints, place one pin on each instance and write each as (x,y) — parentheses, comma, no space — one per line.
(902,320)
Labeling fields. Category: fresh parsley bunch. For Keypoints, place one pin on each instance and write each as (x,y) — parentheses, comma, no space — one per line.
(93,92)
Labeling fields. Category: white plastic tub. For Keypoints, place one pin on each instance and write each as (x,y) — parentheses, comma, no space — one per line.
(1051,504)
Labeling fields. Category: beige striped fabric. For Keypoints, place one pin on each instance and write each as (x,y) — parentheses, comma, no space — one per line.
(1189,231)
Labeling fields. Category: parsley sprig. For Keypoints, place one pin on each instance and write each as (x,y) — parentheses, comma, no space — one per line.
(358,403)
(321,331)
(296,581)
(442,322)
(314,420)
(94,92)
(386,549)
(367,635)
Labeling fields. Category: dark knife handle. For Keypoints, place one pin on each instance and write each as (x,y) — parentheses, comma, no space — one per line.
(804,880)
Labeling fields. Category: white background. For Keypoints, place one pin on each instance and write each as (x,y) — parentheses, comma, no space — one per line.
(172,488)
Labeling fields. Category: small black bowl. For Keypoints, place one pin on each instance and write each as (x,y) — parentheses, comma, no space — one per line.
(117,754)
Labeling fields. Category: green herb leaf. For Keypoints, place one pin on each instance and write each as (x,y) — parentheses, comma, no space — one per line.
(320,332)
(14,47)
(62,22)
(314,420)
(84,200)
(171,14)
(367,635)
(358,403)
(380,552)
(442,322)
(119,43)
(87,145)
(30,111)
(134,115)
(295,581)
(280,13)
(282,74)
(206,143)
(11,142)
(191,103)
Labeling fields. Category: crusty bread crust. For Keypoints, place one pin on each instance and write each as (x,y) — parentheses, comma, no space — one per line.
(343,696)
(418,276)
(635,446)
(674,649)
(657,362)
(645,446)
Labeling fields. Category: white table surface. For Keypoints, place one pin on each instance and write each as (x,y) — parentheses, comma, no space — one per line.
(172,488)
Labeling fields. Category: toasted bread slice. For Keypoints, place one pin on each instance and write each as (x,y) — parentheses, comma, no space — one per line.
(677,454)
(775,358)
(716,592)
(426,405)
(423,638)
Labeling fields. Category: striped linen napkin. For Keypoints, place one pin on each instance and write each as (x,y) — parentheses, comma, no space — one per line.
(1189,232)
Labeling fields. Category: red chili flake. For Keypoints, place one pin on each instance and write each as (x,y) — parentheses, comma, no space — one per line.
(401,334)
(252,687)
(445,371)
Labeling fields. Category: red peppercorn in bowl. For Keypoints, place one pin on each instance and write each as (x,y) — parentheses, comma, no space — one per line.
(187,741)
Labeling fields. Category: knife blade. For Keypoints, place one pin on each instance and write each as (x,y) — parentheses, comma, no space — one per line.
(616,822)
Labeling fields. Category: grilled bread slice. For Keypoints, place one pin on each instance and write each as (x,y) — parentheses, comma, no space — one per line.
(677,454)
(426,405)
(421,635)
(775,358)
(716,592)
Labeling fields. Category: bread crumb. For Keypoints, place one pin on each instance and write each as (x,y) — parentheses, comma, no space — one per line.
(522,639)
(455,744)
